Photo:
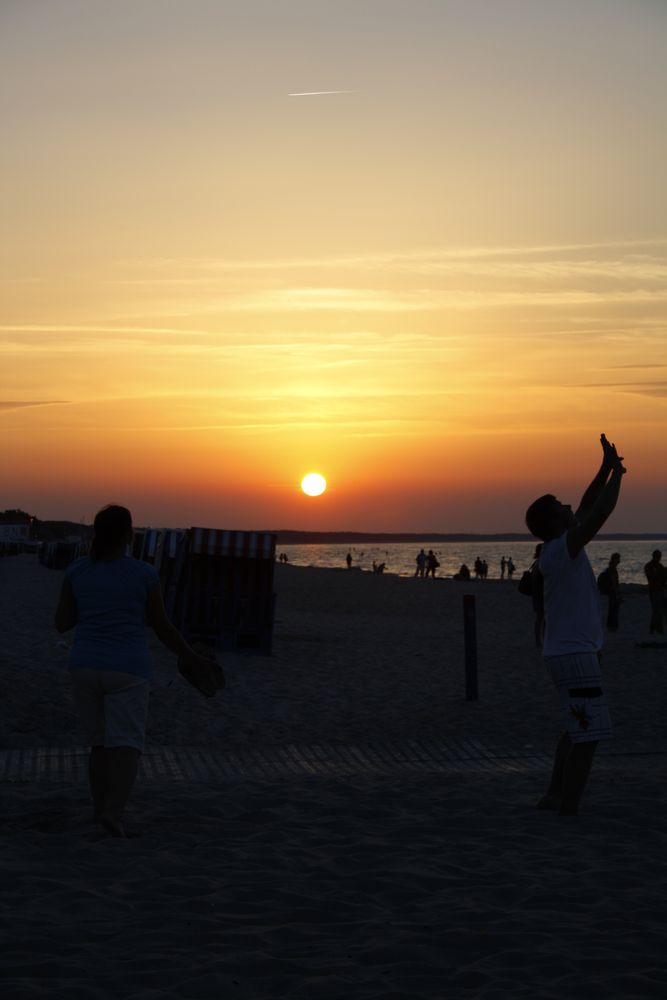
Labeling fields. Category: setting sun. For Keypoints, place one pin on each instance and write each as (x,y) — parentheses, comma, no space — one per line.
(184,330)
(313,485)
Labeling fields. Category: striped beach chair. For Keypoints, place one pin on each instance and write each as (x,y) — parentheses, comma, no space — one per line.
(138,542)
(170,554)
(59,554)
(149,545)
(224,595)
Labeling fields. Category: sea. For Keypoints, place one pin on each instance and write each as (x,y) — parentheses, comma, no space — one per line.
(399,557)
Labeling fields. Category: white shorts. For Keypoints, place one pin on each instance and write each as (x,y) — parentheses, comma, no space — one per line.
(578,681)
(113,706)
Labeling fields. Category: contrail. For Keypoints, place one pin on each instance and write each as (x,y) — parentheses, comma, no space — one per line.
(317,93)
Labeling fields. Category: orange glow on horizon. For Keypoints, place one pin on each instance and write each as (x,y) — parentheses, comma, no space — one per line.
(200,305)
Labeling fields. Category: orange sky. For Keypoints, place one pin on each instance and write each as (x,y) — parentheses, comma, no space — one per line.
(436,288)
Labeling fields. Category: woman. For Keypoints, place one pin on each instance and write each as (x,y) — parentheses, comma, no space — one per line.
(110,597)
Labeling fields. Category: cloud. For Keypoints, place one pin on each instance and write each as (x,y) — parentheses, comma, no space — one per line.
(633,367)
(627,273)
(398,260)
(653,389)
(319,93)
(16,404)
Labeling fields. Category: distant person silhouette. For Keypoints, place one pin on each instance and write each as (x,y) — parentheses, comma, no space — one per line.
(431,563)
(573,625)
(421,563)
(503,567)
(463,573)
(510,567)
(656,576)
(614,598)
(110,597)
(348,560)
(537,595)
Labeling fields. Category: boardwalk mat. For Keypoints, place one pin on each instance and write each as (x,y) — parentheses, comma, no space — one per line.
(173,764)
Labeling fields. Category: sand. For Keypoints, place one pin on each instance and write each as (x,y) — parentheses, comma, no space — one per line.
(368,833)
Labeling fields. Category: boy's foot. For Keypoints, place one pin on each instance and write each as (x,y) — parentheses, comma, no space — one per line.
(549,802)
(112,826)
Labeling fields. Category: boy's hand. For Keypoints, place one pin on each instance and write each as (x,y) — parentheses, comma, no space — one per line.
(611,457)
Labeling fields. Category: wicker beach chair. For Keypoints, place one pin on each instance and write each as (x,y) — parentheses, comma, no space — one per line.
(224,594)
(138,542)
(170,554)
(59,554)
(149,545)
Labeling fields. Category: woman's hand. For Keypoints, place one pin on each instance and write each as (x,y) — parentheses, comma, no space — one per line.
(202,670)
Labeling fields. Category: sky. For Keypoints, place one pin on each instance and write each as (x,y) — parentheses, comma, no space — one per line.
(436,284)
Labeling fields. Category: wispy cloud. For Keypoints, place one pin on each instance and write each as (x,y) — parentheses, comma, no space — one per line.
(371,300)
(656,389)
(16,404)
(318,93)
(633,367)
(466,278)
(433,257)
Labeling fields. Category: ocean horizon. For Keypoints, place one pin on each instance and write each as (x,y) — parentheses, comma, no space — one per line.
(399,557)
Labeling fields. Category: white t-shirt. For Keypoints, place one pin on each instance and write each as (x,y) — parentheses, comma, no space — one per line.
(572,608)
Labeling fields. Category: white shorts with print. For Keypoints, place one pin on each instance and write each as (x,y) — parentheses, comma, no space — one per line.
(578,681)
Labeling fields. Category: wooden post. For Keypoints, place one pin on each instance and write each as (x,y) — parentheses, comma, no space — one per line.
(470,640)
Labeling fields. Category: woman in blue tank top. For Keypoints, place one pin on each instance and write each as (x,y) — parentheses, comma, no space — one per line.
(110,598)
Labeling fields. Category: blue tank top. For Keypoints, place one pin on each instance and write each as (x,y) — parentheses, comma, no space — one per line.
(111,614)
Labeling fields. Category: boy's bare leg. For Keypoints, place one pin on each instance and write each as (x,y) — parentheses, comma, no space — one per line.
(554,796)
(577,769)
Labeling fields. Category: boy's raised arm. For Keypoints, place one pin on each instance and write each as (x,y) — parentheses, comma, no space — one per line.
(604,499)
(609,456)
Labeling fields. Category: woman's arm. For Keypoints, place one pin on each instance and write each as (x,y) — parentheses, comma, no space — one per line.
(167,633)
(66,613)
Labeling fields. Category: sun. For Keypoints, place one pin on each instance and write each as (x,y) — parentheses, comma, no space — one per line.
(313,485)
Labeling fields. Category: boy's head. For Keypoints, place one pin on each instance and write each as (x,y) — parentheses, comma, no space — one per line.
(548,518)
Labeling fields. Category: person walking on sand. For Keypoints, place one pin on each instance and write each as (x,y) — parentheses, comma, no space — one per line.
(656,575)
(110,597)
(573,625)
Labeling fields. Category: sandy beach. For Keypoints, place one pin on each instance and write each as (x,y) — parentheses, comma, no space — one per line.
(367,833)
